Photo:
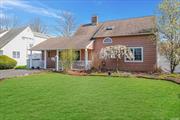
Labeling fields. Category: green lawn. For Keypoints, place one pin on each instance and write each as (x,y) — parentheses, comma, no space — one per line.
(53,96)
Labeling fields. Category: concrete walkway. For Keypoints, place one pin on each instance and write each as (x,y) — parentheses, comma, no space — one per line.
(15,73)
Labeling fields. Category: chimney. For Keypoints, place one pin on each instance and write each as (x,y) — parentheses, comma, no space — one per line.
(94,20)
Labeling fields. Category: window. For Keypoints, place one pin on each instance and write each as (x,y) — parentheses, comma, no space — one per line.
(137,53)
(27,38)
(1,52)
(107,40)
(16,54)
(30,45)
(109,28)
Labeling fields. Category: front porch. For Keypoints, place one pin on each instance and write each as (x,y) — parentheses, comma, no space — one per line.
(51,59)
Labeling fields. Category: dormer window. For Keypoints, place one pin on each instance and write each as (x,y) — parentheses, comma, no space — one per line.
(27,38)
(107,40)
(109,28)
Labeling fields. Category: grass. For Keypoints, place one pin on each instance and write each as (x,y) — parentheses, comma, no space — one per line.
(21,67)
(53,96)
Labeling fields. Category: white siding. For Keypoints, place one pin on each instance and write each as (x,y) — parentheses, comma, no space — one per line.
(18,44)
(36,54)
(163,63)
(22,43)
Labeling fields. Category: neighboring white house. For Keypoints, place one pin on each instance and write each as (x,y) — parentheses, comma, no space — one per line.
(164,64)
(16,43)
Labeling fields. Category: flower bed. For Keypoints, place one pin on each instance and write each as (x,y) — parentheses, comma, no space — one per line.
(169,77)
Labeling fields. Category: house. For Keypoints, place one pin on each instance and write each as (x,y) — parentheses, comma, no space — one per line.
(89,39)
(164,64)
(16,42)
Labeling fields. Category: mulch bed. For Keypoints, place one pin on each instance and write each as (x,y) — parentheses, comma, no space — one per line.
(76,73)
(127,74)
(176,80)
(121,74)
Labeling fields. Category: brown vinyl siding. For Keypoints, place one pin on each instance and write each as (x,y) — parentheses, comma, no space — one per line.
(83,54)
(149,53)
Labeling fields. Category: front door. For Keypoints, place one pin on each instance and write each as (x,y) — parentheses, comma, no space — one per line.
(51,59)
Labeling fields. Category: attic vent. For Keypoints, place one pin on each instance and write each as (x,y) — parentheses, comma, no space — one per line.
(109,28)
(107,40)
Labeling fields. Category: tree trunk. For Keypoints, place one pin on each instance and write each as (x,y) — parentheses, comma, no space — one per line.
(117,65)
(172,70)
(172,66)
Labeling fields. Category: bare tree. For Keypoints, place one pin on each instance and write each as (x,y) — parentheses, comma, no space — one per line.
(15,22)
(8,22)
(66,24)
(4,23)
(37,25)
(169,28)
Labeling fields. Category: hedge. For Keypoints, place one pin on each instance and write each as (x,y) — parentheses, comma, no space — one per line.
(21,67)
(7,62)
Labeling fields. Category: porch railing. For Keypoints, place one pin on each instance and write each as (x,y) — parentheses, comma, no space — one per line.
(78,65)
(36,63)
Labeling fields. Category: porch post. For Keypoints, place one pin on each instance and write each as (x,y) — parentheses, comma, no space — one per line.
(57,60)
(30,61)
(86,59)
(45,59)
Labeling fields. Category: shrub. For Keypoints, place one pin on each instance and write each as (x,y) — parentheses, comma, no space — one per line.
(21,67)
(67,58)
(7,62)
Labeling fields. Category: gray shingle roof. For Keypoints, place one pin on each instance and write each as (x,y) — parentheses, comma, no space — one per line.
(133,26)
(87,32)
(87,29)
(2,31)
(10,35)
(42,35)
(80,40)
(75,42)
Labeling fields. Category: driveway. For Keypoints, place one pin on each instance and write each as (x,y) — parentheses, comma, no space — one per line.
(15,73)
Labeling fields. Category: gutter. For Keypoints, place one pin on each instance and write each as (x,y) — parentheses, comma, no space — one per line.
(141,34)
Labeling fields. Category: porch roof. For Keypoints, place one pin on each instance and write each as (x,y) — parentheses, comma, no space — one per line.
(75,42)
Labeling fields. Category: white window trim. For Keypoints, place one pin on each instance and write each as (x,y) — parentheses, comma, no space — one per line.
(2,52)
(107,42)
(15,57)
(27,38)
(109,28)
(136,61)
